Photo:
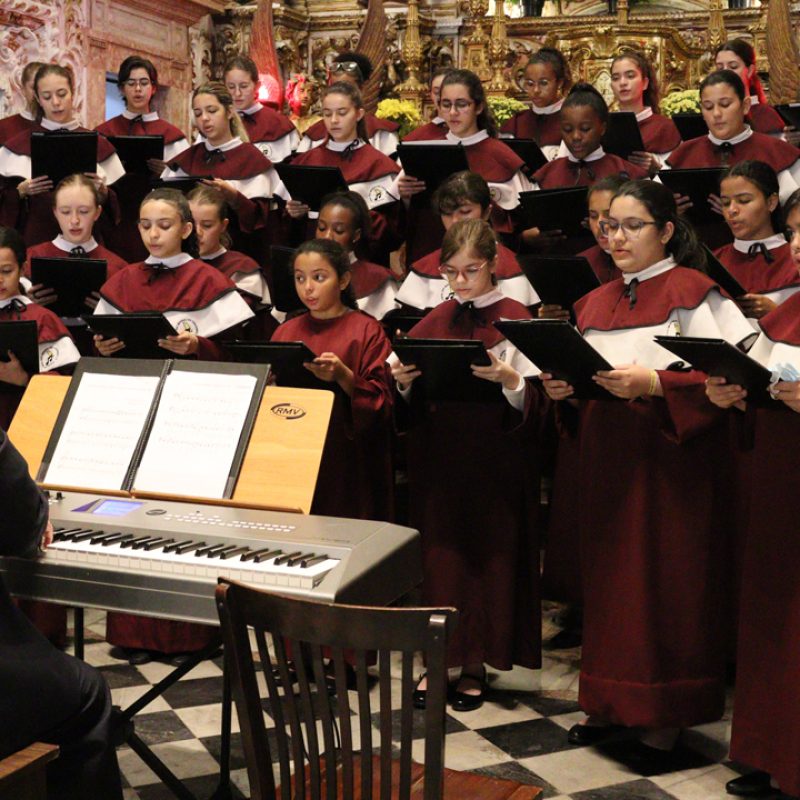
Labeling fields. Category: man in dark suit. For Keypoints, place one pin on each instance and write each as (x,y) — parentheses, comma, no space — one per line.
(46,695)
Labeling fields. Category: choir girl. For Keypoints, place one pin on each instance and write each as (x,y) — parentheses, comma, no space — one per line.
(759,258)
(766,702)
(245,177)
(464,195)
(740,57)
(28,205)
(24,121)
(436,129)
(651,560)
(200,302)
(344,218)
(137,80)
(730,139)
(355,477)
(635,86)
(470,123)
(76,206)
(272,133)
(546,82)
(366,170)
(354,68)
(473,483)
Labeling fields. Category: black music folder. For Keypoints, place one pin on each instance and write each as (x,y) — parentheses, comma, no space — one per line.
(285,361)
(135,151)
(690,126)
(446,369)
(310,185)
(790,113)
(283,292)
(529,152)
(432,163)
(696,184)
(720,359)
(140,330)
(717,272)
(555,346)
(178,427)
(72,279)
(400,319)
(21,337)
(559,280)
(557,209)
(61,153)
(623,136)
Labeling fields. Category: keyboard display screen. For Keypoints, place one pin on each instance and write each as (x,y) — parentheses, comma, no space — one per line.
(115,508)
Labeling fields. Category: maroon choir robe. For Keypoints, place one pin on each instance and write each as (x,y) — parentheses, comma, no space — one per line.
(659,134)
(429,132)
(563,173)
(702,152)
(374,287)
(759,276)
(766,718)
(49,250)
(544,129)
(356,476)
(33,216)
(272,133)
(367,172)
(473,495)
(13,125)
(561,577)
(56,353)
(382,134)
(765,119)
(654,512)
(132,188)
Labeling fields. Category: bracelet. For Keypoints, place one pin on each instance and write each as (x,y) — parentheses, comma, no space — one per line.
(651,389)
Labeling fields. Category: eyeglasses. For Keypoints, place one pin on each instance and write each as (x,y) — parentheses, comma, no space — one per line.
(132,83)
(459,105)
(469,274)
(631,226)
(350,67)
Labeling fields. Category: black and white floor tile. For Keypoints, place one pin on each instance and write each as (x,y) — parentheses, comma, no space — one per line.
(519,733)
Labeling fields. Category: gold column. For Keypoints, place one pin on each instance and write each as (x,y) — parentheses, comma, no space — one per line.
(784,80)
(476,43)
(717,34)
(499,85)
(412,88)
(623,12)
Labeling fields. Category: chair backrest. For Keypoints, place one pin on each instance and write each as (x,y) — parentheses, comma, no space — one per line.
(301,634)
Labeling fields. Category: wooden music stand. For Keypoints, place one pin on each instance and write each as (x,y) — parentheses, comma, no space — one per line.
(280,468)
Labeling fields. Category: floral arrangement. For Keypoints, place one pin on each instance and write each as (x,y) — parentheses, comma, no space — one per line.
(404,112)
(503,108)
(685,102)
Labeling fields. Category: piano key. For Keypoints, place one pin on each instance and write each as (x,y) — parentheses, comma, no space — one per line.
(133,542)
(268,556)
(235,552)
(202,551)
(158,543)
(188,547)
(116,539)
(69,533)
(225,548)
(140,544)
(254,555)
(170,548)
(87,534)
(293,562)
(283,559)
(310,562)
(100,536)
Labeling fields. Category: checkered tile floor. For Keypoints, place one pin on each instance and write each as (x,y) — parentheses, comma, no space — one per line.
(519,733)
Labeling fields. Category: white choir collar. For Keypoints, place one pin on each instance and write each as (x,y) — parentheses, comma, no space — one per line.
(215,254)
(253,109)
(353,257)
(665,265)
(171,262)
(5,303)
(754,101)
(26,114)
(150,116)
(62,244)
(229,145)
(740,137)
(595,155)
(437,120)
(49,125)
(771,243)
(551,109)
(467,140)
(644,114)
(340,147)
(492,296)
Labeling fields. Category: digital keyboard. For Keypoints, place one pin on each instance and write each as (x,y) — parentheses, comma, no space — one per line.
(163,558)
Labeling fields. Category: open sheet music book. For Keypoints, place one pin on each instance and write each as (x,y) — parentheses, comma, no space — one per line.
(155,427)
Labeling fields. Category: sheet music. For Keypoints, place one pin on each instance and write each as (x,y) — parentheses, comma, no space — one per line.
(195,434)
(100,434)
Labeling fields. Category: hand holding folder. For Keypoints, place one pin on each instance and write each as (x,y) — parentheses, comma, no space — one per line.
(19,353)
(68,285)
(137,334)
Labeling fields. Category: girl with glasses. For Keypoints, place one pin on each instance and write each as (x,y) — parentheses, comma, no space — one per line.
(759,258)
(651,557)
(473,486)
(546,82)
(765,716)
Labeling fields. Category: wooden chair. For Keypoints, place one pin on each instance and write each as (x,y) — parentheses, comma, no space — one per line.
(22,774)
(310,631)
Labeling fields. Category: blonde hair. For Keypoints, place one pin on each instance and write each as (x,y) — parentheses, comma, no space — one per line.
(219,90)
(78,179)
(474,235)
(209,196)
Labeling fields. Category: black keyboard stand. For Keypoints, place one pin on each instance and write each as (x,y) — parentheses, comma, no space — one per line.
(125,729)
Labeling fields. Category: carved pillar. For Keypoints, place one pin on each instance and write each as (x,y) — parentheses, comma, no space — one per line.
(499,85)
(717,34)
(412,88)
(476,43)
(623,12)
(784,81)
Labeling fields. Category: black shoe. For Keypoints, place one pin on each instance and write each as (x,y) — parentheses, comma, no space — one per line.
(418,698)
(178,659)
(461,701)
(138,657)
(649,761)
(754,784)
(587,735)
